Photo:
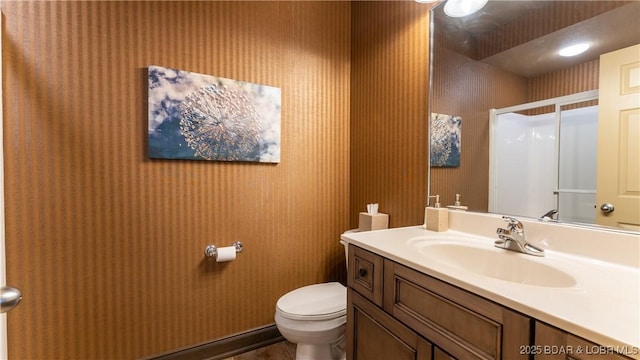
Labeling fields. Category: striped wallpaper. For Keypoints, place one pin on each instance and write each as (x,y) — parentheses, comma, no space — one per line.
(106,244)
(389,98)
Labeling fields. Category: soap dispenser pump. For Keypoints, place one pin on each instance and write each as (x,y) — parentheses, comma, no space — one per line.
(436,218)
(457,205)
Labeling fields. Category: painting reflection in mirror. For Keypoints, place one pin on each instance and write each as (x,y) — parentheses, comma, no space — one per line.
(445,140)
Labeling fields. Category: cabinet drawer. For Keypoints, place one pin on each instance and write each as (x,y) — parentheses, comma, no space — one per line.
(462,324)
(365,273)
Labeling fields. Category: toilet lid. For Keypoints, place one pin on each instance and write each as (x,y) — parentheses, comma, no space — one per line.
(319,301)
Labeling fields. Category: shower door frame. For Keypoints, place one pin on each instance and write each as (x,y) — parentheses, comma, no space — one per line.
(558,103)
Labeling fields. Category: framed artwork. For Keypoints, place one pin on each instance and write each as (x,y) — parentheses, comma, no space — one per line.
(201,117)
(445,140)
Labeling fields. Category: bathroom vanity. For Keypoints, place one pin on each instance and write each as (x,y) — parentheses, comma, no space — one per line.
(417,294)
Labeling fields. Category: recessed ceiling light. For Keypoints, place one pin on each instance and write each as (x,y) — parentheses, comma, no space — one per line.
(574,50)
(460,8)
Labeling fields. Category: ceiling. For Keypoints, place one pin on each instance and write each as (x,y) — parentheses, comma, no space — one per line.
(607,31)
(494,15)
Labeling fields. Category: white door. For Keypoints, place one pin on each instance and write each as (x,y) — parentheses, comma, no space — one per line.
(618,178)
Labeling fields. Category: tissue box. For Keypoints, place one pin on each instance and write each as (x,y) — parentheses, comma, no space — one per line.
(373,222)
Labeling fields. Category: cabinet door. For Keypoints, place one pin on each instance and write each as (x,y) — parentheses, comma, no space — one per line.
(374,335)
(439,354)
(464,325)
(554,344)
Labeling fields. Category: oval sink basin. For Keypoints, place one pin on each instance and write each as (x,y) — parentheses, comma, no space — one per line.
(496,263)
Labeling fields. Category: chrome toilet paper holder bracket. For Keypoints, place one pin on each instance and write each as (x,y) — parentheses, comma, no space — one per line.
(211,251)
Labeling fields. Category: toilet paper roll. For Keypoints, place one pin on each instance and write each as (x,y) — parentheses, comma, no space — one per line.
(226,254)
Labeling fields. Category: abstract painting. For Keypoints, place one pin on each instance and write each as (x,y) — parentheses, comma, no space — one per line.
(445,140)
(201,117)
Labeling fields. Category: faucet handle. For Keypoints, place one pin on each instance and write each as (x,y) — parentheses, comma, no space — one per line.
(514,224)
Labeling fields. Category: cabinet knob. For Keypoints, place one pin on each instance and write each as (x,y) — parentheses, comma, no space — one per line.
(362,272)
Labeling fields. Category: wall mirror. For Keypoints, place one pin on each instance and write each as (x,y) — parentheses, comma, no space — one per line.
(525,119)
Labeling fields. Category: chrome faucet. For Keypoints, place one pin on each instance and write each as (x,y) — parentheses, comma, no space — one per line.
(513,238)
(549,215)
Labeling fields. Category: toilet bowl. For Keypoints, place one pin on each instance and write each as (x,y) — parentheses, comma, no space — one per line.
(314,317)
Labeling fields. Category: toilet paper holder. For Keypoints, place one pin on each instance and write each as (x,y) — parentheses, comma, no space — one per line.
(211,251)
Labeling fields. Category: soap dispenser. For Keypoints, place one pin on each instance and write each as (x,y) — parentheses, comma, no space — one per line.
(457,205)
(436,218)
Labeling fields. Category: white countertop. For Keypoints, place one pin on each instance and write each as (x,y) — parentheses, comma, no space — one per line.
(603,306)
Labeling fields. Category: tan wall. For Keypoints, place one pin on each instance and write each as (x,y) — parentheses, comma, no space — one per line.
(107,245)
(574,79)
(389,99)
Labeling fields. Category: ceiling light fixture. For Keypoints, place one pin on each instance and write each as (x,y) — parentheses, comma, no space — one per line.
(574,50)
(461,8)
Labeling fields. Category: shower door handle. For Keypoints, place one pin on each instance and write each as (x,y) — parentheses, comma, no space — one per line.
(607,208)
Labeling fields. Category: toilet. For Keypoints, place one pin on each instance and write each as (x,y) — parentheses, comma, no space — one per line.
(314,317)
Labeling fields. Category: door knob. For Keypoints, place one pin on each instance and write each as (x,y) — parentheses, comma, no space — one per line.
(9,298)
(607,208)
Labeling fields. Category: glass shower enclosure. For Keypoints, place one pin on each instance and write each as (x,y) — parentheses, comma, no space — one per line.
(543,158)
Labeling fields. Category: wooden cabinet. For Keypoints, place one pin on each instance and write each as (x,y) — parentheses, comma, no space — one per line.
(460,323)
(439,354)
(395,312)
(374,335)
(554,344)
(364,274)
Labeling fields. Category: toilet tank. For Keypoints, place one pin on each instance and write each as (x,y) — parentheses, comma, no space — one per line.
(346,246)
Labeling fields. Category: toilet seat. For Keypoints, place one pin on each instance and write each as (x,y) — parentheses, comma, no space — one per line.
(314,302)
